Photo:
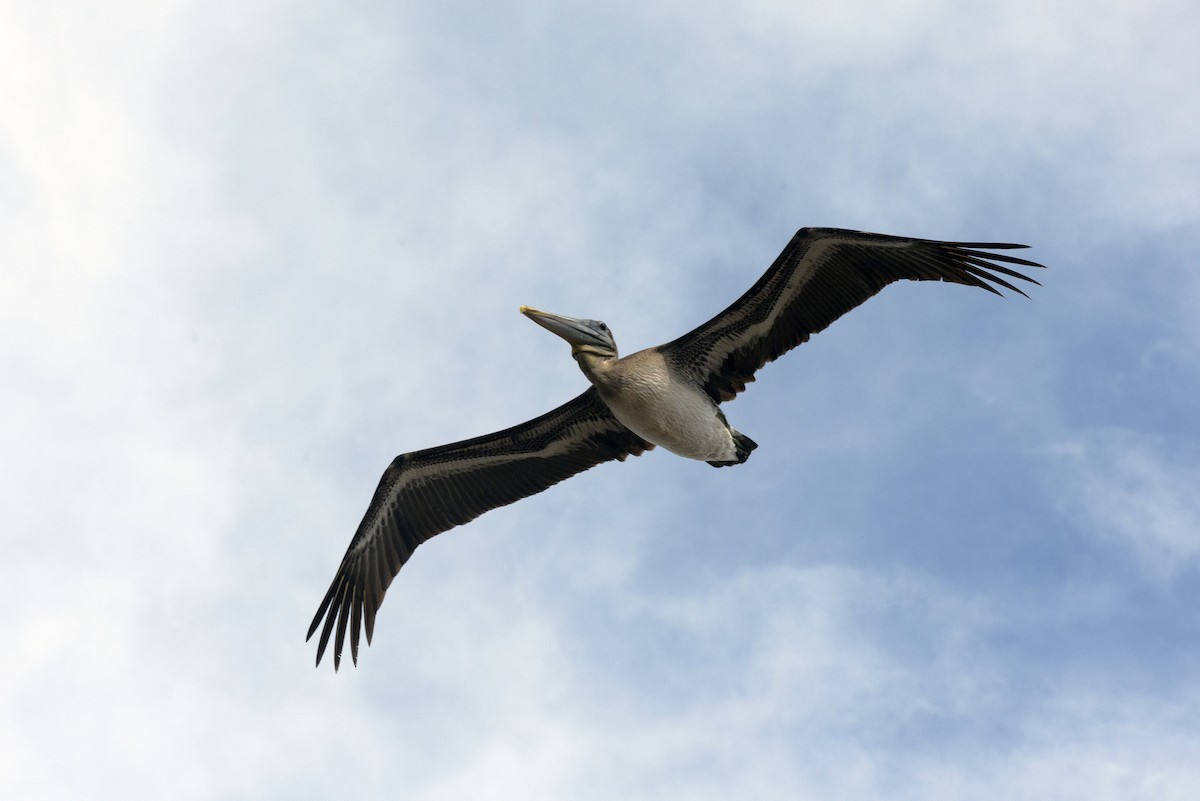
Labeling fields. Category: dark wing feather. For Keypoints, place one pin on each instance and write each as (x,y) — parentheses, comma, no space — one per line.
(822,274)
(427,492)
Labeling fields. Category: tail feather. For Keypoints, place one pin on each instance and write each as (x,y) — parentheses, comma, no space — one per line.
(742,445)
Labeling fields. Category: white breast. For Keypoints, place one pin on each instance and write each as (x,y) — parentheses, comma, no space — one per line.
(673,414)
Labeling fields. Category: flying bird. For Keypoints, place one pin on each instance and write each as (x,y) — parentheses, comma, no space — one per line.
(669,395)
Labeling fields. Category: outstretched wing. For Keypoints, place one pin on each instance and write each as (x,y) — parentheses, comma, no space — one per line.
(427,492)
(822,274)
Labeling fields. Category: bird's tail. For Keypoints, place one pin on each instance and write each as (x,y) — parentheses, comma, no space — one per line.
(742,445)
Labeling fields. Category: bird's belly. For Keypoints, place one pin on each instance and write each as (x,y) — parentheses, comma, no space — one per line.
(685,422)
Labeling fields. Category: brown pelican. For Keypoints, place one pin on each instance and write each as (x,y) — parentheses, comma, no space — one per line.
(666,396)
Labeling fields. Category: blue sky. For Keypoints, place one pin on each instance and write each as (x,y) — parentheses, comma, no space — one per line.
(248,255)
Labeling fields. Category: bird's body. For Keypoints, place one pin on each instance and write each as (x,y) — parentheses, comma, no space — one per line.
(654,401)
(668,395)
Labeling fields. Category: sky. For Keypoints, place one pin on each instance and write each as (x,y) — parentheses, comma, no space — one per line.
(251,252)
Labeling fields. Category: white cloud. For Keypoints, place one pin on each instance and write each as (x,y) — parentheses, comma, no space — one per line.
(247,256)
(1135,490)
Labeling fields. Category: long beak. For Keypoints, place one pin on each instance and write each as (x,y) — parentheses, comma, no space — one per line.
(572,329)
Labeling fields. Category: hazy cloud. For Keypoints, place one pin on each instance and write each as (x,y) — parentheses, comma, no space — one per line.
(249,254)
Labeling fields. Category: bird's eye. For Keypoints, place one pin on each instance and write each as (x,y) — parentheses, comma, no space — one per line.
(603,327)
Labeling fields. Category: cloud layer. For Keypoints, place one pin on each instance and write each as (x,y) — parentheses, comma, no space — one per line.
(248,255)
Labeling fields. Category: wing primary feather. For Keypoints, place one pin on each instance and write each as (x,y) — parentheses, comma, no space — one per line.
(987,274)
(356,609)
(343,613)
(1000,268)
(994,257)
(316,621)
(980,245)
(329,621)
(369,616)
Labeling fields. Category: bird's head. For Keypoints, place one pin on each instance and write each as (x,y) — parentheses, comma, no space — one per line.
(591,341)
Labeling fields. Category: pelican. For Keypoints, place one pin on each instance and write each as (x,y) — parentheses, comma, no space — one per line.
(665,396)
